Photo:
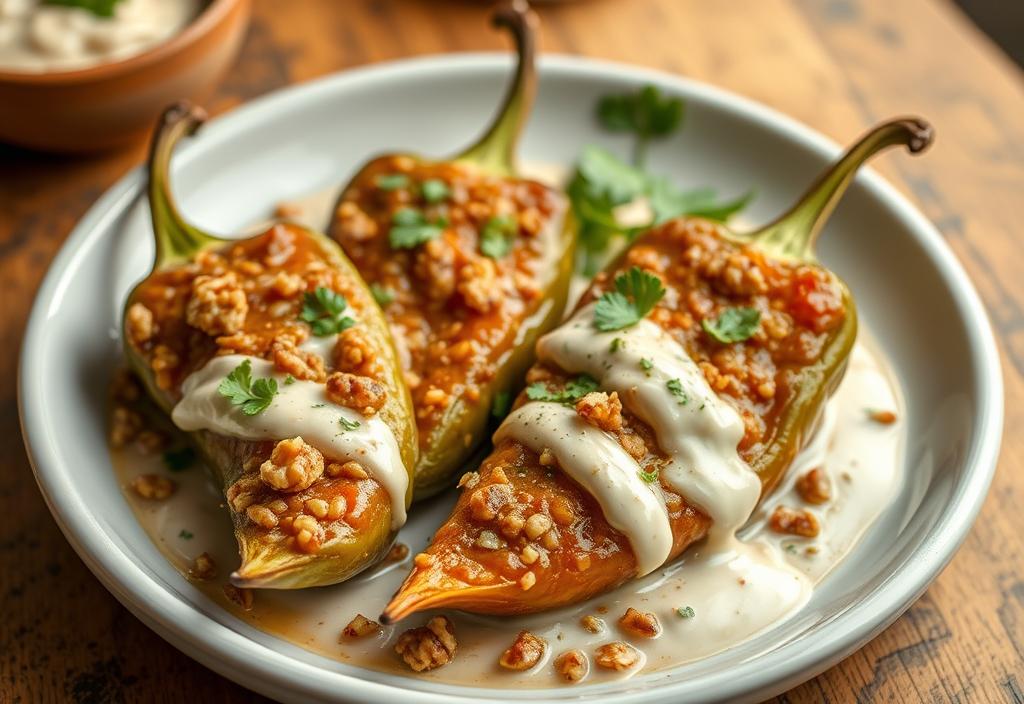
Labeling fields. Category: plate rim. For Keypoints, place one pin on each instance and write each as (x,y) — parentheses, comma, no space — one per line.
(252,665)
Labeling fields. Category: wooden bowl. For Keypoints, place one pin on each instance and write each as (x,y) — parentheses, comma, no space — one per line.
(113,104)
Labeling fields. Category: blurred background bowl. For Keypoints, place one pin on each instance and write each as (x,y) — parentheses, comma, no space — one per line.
(113,104)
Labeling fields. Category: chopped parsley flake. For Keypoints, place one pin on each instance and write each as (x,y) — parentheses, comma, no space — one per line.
(575,389)
(649,477)
(253,397)
(646,364)
(410,228)
(347,424)
(435,190)
(324,311)
(496,237)
(686,612)
(186,535)
(635,295)
(289,380)
(646,113)
(675,387)
(502,402)
(100,8)
(382,294)
(318,405)
(616,345)
(733,325)
(179,459)
(392,182)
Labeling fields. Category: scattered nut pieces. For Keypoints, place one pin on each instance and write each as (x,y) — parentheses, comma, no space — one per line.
(525,652)
(527,581)
(592,624)
(241,597)
(639,624)
(347,470)
(153,487)
(293,466)
(791,521)
(883,417)
(360,627)
(601,410)
(814,487)
(428,647)
(125,424)
(203,568)
(617,656)
(572,665)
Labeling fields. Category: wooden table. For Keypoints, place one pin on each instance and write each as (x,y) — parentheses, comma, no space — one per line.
(837,65)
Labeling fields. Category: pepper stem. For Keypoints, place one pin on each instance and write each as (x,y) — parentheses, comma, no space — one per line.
(495,151)
(793,234)
(175,238)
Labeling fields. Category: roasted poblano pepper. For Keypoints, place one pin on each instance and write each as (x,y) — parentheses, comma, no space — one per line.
(767,332)
(268,307)
(470,263)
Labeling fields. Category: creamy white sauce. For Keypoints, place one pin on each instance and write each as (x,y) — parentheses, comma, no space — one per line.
(597,462)
(728,589)
(301,409)
(35,37)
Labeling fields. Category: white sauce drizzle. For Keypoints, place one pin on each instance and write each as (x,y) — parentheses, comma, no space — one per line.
(36,37)
(596,461)
(300,408)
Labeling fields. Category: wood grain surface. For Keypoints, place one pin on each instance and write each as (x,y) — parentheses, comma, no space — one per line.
(837,65)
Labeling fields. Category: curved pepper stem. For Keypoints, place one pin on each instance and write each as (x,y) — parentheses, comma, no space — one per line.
(793,234)
(175,239)
(495,151)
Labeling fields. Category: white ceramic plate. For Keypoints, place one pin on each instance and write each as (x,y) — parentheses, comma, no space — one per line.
(911,293)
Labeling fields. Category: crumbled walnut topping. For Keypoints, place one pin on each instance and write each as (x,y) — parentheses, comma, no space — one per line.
(347,470)
(153,487)
(354,353)
(360,393)
(478,285)
(203,568)
(883,417)
(485,502)
(301,364)
(423,560)
(398,552)
(525,652)
(293,466)
(317,507)
(360,627)
(814,487)
(242,493)
(572,665)
(488,540)
(616,656)
(125,425)
(601,410)
(262,516)
(793,521)
(218,305)
(354,223)
(239,596)
(527,581)
(150,442)
(592,624)
(435,266)
(641,625)
(547,457)
(139,324)
(164,364)
(529,555)
(428,647)
(469,479)
(537,525)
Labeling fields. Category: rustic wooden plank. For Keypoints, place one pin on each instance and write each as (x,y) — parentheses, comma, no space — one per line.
(837,65)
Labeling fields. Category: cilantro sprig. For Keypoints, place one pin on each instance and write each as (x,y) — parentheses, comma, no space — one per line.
(434,190)
(647,114)
(252,396)
(675,387)
(649,477)
(100,8)
(496,237)
(635,295)
(410,228)
(324,310)
(575,389)
(347,424)
(382,294)
(733,325)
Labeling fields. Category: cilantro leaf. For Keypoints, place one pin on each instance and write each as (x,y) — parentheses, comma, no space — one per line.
(410,228)
(382,294)
(180,459)
(575,389)
(686,612)
(392,182)
(347,424)
(502,402)
(496,237)
(733,325)
(668,202)
(646,113)
(185,534)
(675,387)
(252,397)
(649,477)
(100,8)
(324,311)
(635,295)
(435,190)
(289,380)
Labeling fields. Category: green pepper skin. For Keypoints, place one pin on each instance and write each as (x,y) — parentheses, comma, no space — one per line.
(445,450)
(267,560)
